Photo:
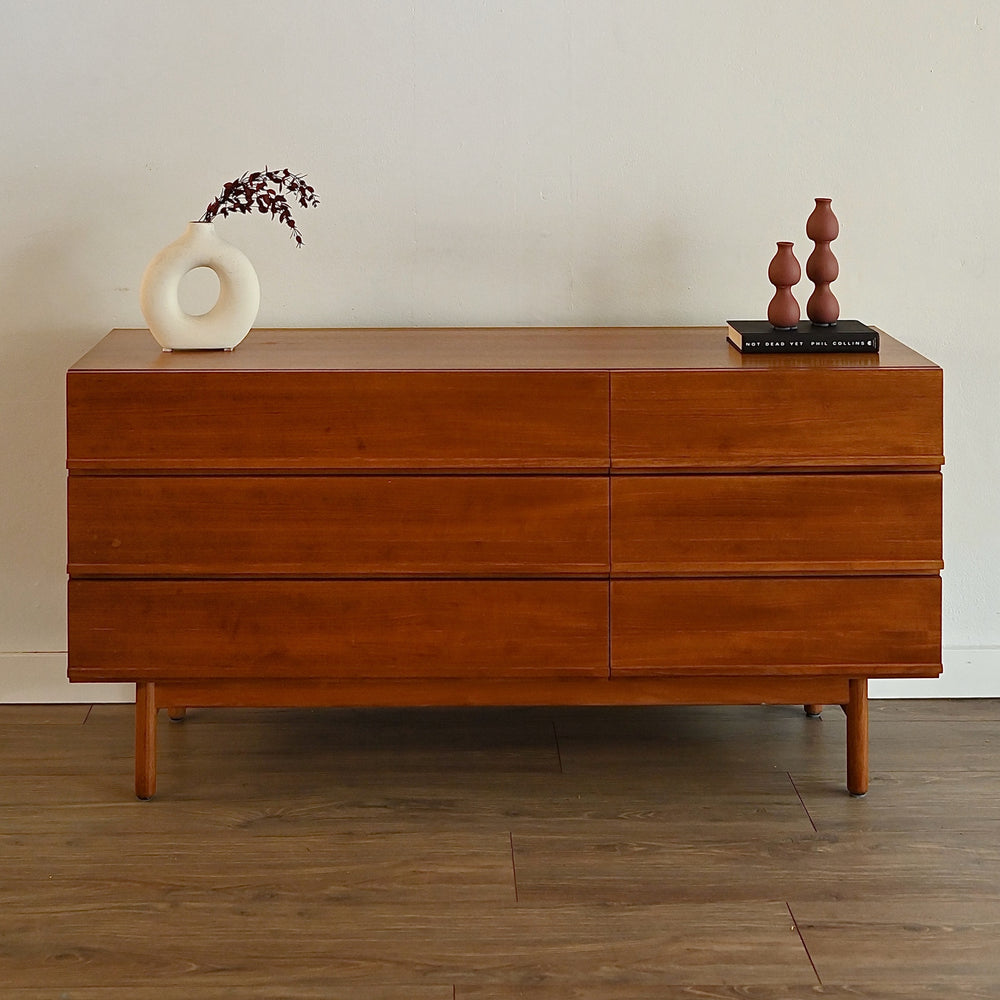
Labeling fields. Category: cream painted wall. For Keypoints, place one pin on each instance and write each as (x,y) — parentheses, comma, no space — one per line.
(500,162)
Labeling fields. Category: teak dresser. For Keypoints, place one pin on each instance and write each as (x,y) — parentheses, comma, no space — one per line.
(502,517)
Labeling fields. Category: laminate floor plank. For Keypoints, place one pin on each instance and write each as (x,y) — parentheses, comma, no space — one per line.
(722,740)
(936,709)
(367,726)
(935,939)
(561,853)
(343,739)
(761,991)
(782,738)
(236,870)
(580,991)
(942,745)
(36,790)
(321,990)
(627,864)
(395,944)
(329,742)
(291,805)
(42,715)
(948,802)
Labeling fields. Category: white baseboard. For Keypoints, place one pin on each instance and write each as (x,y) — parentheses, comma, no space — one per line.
(969,672)
(40,678)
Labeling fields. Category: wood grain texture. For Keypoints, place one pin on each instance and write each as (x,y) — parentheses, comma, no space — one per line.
(626,861)
(336,420)
(422,867)
(475,349)
(777,418)
(316,526)
(724,739)
(263,991)
(775,524)
(425,944)
(42,715)
(908,990)
(527,690)
(368,853)
(877,626)
(270,934)
(546,991)
(394,528)
(216,629)
(904,799)
(936,939)
(145,740)
(857,737)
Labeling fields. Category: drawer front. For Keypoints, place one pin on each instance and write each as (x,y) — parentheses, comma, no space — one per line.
(790,523)
(184,526)
(337,420)
(882,626)
(777,417)
(393,629)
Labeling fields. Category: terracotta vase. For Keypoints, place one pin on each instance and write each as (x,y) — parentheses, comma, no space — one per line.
(228,321)
(822,268)
(783,272)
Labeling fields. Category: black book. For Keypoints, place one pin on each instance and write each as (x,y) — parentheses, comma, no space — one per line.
(757,336)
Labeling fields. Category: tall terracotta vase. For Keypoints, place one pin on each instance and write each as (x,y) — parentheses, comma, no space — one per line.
(228,321)
(783,272)
(822,268)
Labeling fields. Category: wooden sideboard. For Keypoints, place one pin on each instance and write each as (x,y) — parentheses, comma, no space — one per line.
(501,517)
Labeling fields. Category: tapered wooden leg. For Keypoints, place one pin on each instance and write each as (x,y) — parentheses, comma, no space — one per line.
(145,741)
(857,736)
(176,713)
(813,711)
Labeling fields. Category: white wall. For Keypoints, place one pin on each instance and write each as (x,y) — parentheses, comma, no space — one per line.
(500,162)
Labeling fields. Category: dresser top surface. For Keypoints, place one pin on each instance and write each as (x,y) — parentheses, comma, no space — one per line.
(476,349)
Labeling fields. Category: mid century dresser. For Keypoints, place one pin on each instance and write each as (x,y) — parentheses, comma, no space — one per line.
(501,517)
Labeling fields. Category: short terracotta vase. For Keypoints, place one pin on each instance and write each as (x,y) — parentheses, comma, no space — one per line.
(784,271)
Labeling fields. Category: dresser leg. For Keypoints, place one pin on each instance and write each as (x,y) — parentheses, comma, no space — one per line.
(813,711)
(176,713)
(145,740)
(857,737)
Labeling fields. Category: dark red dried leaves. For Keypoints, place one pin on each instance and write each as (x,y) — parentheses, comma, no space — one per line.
(267,192)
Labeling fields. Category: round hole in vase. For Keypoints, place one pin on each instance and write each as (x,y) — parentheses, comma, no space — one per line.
(228,321)
(199,291)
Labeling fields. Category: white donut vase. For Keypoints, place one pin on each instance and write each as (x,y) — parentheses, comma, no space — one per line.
(232,316)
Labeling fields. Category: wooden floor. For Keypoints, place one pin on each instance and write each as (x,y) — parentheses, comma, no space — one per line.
(464,854)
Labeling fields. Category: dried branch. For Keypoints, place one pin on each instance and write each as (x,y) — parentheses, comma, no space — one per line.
(267,192)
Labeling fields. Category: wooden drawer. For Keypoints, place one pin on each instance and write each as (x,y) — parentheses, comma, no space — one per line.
(337,420)
(313,526)
(777,417)
(214,629)
(788,523)
(882,626)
